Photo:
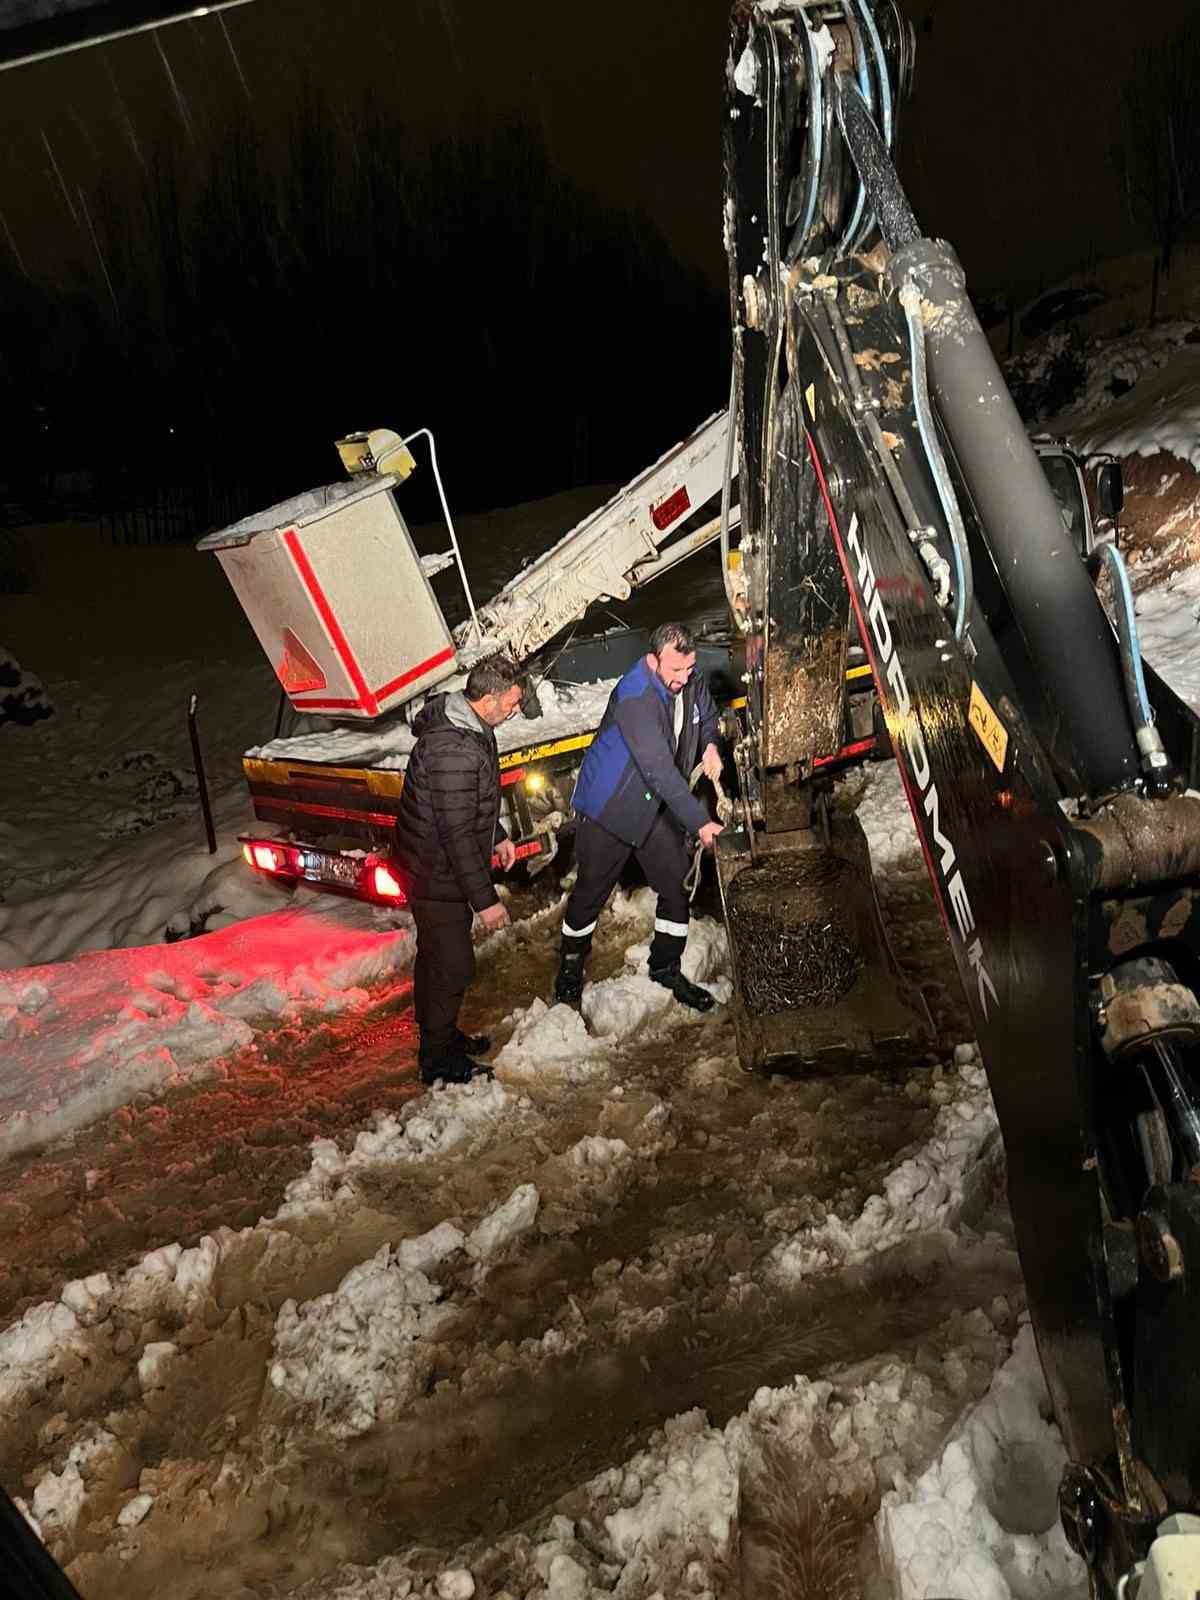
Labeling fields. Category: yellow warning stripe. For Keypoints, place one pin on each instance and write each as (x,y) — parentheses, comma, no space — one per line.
(541,752)
(378,780)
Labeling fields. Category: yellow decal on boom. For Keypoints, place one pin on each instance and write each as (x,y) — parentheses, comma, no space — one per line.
(993,735)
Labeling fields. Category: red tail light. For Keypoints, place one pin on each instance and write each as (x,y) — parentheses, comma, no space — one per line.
(266,857)
(386,884)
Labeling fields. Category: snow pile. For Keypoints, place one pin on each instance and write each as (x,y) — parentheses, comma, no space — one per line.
(59,1497)
(1114,366)
(1059,371)
(1168,620)
(982,1522)
(23,700)
(775,1504)
(171,1284)
(567,709)
(461,1119)
(1161,413)
(558,1043)
(357,1357)
(925,1192)
(683,1513)
(503,1224)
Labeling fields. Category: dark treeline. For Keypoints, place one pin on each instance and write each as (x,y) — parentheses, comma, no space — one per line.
(250,304)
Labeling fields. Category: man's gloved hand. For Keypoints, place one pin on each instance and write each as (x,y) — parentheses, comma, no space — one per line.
(506,854)
(708,833)
(712,764)
(495,917)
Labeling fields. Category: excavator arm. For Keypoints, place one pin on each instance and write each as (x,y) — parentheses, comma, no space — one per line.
(887,485)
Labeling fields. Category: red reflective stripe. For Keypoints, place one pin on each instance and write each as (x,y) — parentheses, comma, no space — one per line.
(366,699)
(523,852)
(418,671)
(513,775)
(328,705)
(310,808)
(846,753)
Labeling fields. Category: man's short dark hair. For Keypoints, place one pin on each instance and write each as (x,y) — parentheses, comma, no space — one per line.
(492,675)
(673,634)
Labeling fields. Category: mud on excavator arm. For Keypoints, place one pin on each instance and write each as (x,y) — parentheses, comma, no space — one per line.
(887,484)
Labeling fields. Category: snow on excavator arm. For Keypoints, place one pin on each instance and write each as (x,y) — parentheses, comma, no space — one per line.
(887,483)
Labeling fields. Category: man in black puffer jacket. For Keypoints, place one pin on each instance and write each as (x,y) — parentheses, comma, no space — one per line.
(447,828)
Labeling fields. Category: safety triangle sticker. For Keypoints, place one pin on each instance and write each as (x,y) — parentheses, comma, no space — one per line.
(298,672)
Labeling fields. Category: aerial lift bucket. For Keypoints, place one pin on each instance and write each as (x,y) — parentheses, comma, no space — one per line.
(816,987)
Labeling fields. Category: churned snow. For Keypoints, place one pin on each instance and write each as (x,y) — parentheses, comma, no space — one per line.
(981,1523)
(557,1042)
(926,1191)
(357,1356)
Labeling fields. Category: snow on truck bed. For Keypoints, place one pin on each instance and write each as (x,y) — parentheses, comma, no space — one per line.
(567,709)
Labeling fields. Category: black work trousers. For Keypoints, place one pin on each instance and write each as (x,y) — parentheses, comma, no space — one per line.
(602,856)
(444,967)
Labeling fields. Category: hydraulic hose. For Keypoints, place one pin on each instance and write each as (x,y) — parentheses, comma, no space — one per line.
(1140,712)
(964,575)
(1127,634)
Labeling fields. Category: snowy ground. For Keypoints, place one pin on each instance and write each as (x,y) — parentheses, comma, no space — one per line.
(539,1337)
(625,1321)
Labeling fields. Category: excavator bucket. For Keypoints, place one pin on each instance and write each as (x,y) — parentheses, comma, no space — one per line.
(816,986)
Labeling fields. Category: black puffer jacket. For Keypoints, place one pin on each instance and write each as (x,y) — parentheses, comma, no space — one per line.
(448,824)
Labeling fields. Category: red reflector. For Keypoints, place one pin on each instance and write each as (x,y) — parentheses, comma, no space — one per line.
(268,859)
(513,775)
(386,884)
(297,671)
(671,509)
(848,752)
(523,852)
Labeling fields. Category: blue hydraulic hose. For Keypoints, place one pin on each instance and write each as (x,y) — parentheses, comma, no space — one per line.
(1127,633)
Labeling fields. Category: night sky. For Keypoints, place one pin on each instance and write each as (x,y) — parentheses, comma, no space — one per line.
(1006,151)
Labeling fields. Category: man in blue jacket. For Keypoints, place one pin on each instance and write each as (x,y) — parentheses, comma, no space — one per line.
(632,798)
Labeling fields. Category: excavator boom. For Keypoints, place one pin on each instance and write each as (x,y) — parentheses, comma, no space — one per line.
(888,490)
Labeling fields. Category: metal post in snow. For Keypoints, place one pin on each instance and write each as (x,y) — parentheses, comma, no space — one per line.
(201,780)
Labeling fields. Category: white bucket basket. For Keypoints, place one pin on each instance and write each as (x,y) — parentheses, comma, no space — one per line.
(335,590)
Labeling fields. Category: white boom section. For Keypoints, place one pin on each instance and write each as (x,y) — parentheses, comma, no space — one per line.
(610,553)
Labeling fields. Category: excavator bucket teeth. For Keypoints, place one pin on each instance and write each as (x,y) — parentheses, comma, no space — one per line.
(816,986)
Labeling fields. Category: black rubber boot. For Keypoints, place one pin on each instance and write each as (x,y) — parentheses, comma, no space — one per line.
(684,990)
(453,1067)
(568,985)
(471,1044)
